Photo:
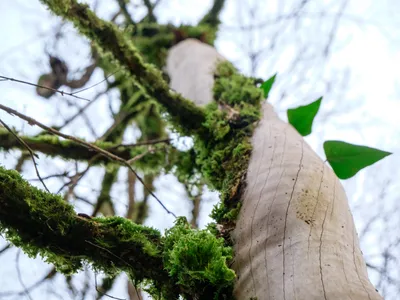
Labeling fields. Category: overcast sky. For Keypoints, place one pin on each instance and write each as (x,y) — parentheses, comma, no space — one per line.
(361,106)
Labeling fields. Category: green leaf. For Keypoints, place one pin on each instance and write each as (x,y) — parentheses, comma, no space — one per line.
(267,85)
(302,117)
(347,159)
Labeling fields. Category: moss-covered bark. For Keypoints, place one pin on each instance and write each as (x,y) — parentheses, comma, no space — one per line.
(185,262)
(55,147)
(44,224)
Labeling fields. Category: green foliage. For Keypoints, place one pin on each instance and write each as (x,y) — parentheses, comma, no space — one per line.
(347,159)
(267,86)
(302,117)
(198,260)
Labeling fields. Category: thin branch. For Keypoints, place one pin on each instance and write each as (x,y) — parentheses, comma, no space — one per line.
(92,86)
(5,248)
(81,110)
(212,17)
(33,155)
(101,293)
(35,285)
(124,10)
(78,176)
(334,28)
(41,221)
(26,292)
(63,174)
(62,93)
(150,9)
(93,147)
(182,111)
(56,147)
(144,143)
(137,157)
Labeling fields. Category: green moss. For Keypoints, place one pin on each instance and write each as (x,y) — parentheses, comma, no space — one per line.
(153,40)
(225,156)
(44,224)
(194,259)
(198,261)
(183,113)
(128,232)
(189,262)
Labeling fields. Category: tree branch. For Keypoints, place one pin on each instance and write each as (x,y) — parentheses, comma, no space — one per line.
(186,261)
(56,147)
(42,223)
(150,13)
(183,112)
(212,17)
(124,10)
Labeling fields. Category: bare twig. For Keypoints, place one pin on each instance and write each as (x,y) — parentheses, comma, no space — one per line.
(131,195)
(20,276)
(125,12)
(63,174)
(5,248)
(33,155)
(81,110)
(137,157)
(150,9)
(101,293)
(144,143)
(105,153)
(109,252)
(92,86)
(43,87)
(35,285)
(78,176)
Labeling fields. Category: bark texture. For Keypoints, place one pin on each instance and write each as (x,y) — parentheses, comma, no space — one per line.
(295,237)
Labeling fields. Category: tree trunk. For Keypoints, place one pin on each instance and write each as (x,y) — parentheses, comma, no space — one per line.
(295,237)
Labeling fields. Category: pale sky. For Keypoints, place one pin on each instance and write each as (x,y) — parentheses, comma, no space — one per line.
(365,111)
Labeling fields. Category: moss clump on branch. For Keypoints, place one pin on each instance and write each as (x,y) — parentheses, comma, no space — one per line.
(198,261)
(225,157)
(150,161)
(44,224)
(186,262)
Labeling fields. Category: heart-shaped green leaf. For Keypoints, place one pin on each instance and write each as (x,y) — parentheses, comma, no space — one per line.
(347,159)
(302,117)
(267,85)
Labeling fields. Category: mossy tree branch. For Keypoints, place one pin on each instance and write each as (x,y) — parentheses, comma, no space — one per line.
(186,262)
(183,112)
(54,146)
(42,223)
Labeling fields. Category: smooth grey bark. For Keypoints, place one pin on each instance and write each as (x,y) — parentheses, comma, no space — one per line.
(295,237)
